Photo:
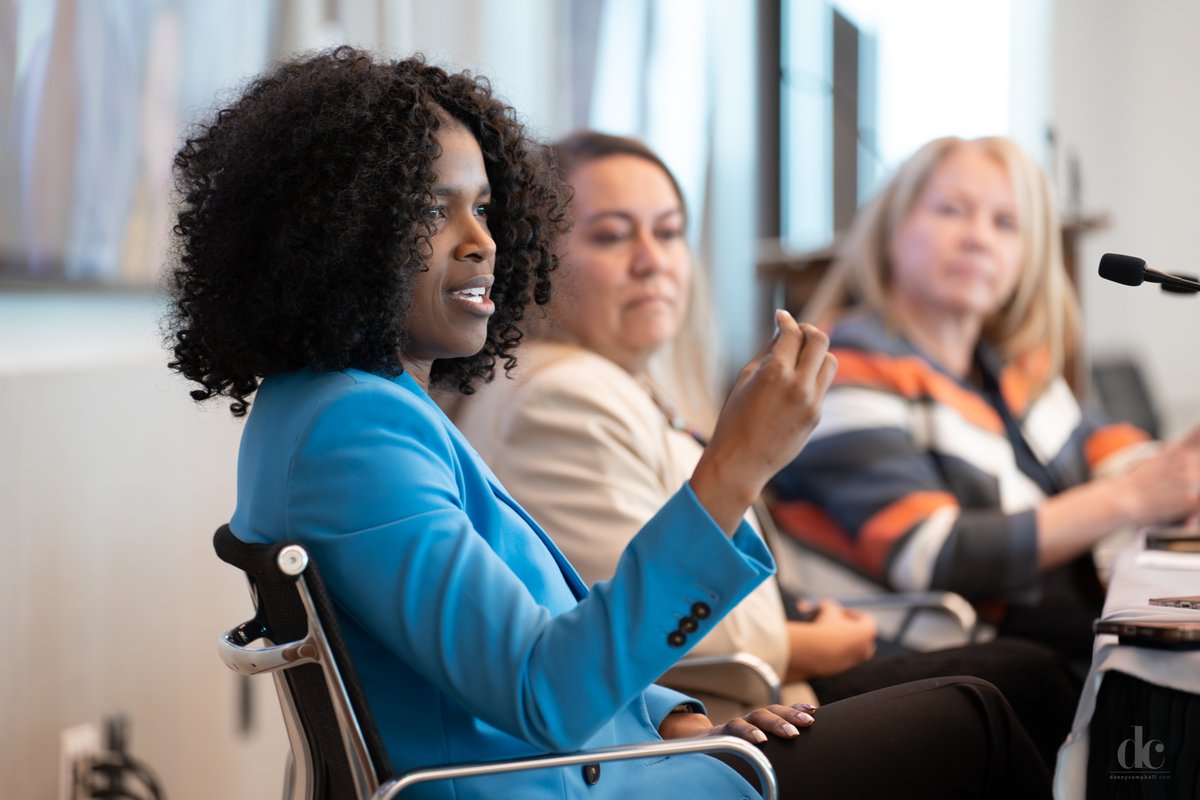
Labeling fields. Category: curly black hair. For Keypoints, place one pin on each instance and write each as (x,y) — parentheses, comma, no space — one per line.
(300,228)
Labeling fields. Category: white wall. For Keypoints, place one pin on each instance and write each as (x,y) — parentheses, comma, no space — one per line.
(112,480)
(1125,101)
(111,599)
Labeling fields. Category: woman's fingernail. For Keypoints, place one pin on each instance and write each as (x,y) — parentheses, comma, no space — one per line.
(760,737)
(790,729)
(805,707)
(805,719)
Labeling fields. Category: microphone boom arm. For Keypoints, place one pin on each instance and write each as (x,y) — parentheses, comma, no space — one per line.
(1173,282)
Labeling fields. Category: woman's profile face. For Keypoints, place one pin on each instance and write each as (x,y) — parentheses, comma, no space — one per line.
(957,253)
(625,270)
(450,299)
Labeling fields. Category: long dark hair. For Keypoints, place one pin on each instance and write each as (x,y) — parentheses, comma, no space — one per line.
(583,147)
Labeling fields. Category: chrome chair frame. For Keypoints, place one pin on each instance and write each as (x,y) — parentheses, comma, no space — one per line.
(949,604)
(370,778)
(903,615)
(758,669)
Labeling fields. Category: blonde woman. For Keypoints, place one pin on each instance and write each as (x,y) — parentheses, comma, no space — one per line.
(951,453)
(588,436)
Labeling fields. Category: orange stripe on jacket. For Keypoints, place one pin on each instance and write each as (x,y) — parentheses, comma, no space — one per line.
(808,523)
(1022,376)
(1111,438)
(912,377)
(881,531)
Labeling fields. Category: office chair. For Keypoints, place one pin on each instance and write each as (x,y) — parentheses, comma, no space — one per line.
(930,620)
(336,750)
(730,666)
(1121,388)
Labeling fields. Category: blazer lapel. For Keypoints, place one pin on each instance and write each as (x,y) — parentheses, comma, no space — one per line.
(578,587)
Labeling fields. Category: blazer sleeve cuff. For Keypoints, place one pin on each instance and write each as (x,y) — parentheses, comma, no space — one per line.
(661,701)
(745,540)
(701,564)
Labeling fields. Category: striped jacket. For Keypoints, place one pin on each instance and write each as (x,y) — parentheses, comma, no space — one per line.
(919,480)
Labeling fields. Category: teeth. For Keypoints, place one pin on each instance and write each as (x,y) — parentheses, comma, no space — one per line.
(474,295)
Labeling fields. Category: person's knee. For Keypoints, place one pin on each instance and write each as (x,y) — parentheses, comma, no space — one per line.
(986,691)
(970,683)
(980,684)
(1035,666)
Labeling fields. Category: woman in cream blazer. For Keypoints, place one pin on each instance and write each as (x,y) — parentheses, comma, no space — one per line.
(592,456)
(338,296)
(585,437)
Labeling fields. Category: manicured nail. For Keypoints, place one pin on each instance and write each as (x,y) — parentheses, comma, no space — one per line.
(805,719)
(804,707)
(790,730)
(759,737)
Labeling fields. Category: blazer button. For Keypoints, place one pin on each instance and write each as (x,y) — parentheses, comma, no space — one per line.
(591,774)
(688,625)
(676,639)
(701,611)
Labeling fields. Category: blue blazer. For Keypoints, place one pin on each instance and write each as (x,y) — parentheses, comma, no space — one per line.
(473,636)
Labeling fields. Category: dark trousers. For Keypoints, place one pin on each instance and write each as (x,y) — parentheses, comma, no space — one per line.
(1039,684)
(948,738)
(1071,599)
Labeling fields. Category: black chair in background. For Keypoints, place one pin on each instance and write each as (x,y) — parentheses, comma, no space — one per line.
(1121,389)
(336,750)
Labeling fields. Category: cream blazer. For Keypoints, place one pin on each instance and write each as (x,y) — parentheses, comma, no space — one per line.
(590,455)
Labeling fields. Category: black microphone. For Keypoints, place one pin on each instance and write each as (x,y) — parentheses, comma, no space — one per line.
(1132,271)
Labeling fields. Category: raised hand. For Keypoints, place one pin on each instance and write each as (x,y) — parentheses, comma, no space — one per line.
(769,415)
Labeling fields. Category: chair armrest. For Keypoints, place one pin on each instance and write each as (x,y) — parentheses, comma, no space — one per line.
(704,744)
(760,669)
(950,604)
(257,660)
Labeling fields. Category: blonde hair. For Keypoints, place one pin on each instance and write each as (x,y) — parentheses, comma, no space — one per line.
(1041,313)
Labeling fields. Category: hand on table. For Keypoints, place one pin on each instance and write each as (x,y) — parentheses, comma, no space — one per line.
(1166,486)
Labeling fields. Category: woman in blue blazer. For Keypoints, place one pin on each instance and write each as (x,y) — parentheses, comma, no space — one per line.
(352,233)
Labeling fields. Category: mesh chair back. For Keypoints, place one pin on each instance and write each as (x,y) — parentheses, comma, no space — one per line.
(281,616)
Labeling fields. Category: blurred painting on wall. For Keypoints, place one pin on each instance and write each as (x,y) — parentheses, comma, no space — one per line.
(95,98)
